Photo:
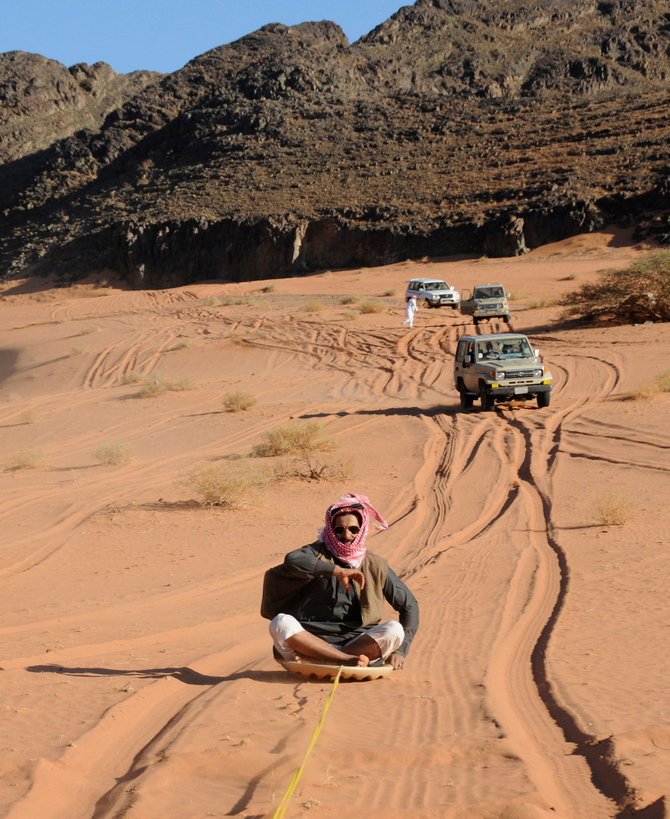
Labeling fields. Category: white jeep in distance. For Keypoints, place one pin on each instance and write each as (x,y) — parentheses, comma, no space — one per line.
(435,292)
(500,367)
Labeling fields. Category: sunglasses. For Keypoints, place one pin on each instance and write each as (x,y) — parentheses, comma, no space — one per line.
(340,530)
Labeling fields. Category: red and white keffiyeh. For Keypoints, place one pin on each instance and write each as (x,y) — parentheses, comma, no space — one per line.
(350,553)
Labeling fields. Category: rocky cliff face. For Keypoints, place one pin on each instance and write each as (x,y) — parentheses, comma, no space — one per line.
(455,126)
(42,101)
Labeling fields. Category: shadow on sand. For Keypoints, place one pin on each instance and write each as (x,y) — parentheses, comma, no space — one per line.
(184,674)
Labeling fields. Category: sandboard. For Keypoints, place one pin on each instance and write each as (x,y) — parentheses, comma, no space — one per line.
(328,672)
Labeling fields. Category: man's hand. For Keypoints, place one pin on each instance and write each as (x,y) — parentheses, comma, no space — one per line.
(397,661)
(345,576)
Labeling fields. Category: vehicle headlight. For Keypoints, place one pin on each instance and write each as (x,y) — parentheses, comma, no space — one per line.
(538,373)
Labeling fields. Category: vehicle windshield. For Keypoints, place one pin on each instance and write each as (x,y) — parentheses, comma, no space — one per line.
(436,286)
(494,292)
(504,348)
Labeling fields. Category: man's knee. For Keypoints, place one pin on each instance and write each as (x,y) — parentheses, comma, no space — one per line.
(396,635)
(389,636)
(283,626)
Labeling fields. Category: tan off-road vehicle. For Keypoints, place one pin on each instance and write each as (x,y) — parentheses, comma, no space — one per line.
(485,301)
(500,367)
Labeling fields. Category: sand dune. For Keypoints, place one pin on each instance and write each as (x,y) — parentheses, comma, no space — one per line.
(137,677)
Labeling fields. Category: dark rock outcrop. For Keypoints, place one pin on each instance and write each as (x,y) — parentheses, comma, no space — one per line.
(455,126)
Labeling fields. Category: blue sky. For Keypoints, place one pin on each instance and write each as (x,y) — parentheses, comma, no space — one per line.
(163,35)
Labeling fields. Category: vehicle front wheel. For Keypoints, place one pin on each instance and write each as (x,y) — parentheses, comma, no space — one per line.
(475,321)
(486,399)
(466,399)
(543,399)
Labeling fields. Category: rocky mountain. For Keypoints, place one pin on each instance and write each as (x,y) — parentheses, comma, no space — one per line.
(454,127)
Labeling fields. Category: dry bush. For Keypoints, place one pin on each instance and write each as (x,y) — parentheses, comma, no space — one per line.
(614,510)
(153,385)
(350,315)
(158,384)
(534,304)
(86,331)
(229,487)
(301,438)
(312,467)
(132,377)
(313,306)
(183,385)
(269,288)
(26,459)
(350,299)
(388,293)
(114,454)
(31,415)
(640,292)
(372,306)
(661,383)
(79,350)
(238,401)
(183,344)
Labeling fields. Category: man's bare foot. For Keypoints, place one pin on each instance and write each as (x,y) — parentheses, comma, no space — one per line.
(361,661)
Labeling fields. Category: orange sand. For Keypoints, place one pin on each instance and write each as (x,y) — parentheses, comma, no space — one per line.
(137,677)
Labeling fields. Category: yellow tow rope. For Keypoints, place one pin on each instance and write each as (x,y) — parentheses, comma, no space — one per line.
(286,798)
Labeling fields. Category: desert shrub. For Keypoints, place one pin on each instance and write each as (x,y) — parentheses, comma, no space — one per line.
(313,306)
(85,331)
(388,293)
(349,299)
(238,401)
(31,415)
(79,350)
(158,384)
(153,385)
(314,467)
(183,344)
(300,438)
(534,304)
(269,288)
(614,510)
(640,292)
(229,487)
(661,383)
(114,454)
(372,306)
(182,385)
(132,377)
(26,459)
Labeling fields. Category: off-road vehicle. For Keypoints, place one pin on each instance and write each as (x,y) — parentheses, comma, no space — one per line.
(500,367)
(485,301)
(435,292)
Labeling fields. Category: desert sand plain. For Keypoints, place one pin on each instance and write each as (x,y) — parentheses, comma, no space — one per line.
(137,677)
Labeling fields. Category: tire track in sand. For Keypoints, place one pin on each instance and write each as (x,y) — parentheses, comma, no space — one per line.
(595,379)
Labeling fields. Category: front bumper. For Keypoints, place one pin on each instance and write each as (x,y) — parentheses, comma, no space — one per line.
(519,389)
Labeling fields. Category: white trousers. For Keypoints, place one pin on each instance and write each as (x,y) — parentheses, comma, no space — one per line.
(388,635)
